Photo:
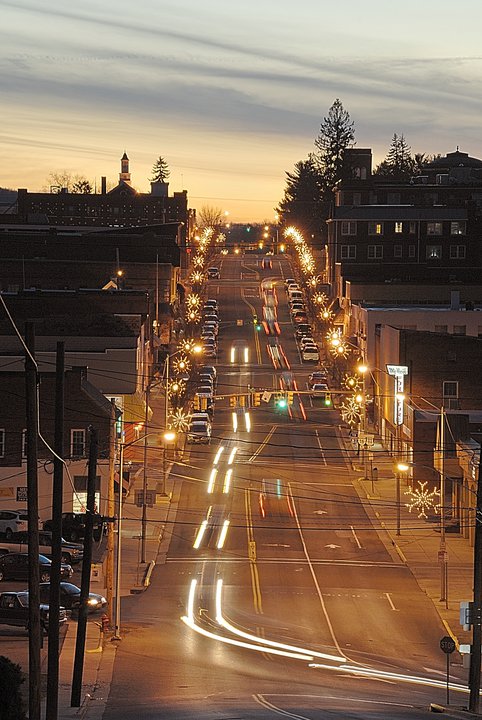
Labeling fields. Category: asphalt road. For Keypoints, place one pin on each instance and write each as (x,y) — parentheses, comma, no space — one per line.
(304,613)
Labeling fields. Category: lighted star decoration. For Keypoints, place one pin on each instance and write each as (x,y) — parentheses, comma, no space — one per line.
(181,364)
(179,420)
(326,315)
(176,388)
(196,277)
(351,382)
(193,316)
(221,238)
(193,300)
(188,344)
(338,348)
(320,298)
(198,261)
(350,411)
(422,499)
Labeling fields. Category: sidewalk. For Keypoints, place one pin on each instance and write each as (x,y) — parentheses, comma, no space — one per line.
(418,544)
(99,650)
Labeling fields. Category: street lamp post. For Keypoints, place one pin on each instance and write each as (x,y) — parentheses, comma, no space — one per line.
(117,611)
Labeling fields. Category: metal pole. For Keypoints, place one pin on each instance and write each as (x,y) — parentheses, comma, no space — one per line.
(166,399)
(144,481)
(443,547)
(117,624)
(399,532)
(475,653)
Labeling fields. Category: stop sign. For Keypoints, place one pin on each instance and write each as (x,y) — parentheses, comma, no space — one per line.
(447,644)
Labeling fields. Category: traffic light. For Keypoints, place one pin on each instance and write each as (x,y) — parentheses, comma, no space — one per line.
(280,400)
(242,401)
(256,323)
(290,398)
(257,398)
(327,400)
(233,401)
(197,402)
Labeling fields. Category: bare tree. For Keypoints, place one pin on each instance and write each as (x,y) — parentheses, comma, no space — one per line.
(66,179)
(209,216)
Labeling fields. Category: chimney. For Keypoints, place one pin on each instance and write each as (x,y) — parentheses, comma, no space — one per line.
(103,185)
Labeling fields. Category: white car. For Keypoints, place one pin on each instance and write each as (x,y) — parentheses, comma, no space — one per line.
(12,521)
(310,352)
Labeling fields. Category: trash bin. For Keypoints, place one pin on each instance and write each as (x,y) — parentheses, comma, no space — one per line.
(375,473)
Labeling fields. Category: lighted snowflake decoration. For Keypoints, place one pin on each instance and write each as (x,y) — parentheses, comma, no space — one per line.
(422,499)
(179,420)
(350,411)
(221,238)
(198,261)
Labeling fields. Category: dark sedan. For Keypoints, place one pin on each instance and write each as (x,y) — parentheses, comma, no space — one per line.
(14,566)
(70,597)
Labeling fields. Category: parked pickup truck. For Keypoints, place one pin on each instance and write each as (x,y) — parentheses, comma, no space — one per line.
(71,552)
(14,611)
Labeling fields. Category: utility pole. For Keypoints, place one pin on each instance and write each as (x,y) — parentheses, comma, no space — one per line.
(85,581)
(57,498)
(476,649)
(34,635)
(111,512)
(144,479)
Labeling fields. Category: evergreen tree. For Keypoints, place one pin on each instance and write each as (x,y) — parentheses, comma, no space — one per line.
(337,133)
(398,164)
(301,205)
(160,170)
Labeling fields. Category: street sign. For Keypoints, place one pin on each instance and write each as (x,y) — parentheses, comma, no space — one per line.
(447,644)
(150,498)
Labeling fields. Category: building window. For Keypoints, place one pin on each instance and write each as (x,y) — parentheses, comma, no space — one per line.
(348,252)
(434,228)
(24,443)
(348,227)
(412,228)
(77,443)
(457,252)
(457,227)
(375,228)
(460,329)
(397,251)
(441,328)
(411,251)
(375,252)
(2,443)
(451,394)
(356,198)
(398,227)
(434,252)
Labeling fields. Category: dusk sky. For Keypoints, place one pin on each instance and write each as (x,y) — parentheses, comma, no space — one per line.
(231,94)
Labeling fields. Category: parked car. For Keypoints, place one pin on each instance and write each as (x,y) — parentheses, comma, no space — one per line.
(210,369)
(211,303)
(14,566)
(12,521)
(14,611)
(302,330)
(213,273)
(310,352)
(289,281)
(73,526)
(70,597)
(200,416)
(71,552)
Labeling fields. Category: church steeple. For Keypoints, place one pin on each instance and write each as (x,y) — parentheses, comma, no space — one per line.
(124,175)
